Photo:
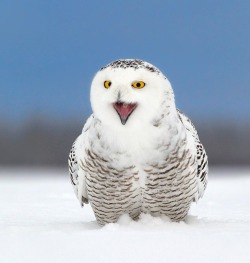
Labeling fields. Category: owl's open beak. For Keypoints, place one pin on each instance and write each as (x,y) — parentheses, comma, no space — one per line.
(124,110)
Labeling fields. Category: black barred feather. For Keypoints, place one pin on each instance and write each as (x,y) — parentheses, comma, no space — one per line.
(202,160)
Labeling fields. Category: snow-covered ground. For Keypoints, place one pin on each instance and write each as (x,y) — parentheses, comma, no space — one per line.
(41,221)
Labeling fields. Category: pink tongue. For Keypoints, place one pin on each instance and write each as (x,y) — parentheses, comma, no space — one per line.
(124,110)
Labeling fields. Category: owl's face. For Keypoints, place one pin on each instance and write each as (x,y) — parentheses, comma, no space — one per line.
(129,92)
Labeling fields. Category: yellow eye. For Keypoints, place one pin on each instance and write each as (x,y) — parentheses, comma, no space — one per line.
(138,84)
(107,84)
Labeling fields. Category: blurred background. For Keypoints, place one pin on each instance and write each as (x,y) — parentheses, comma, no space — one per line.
(50,51)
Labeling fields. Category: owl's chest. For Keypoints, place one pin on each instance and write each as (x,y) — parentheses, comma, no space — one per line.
(156,181)
(146,167)
(126,162)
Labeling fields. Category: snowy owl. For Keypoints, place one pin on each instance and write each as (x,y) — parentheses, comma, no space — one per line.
(137,152)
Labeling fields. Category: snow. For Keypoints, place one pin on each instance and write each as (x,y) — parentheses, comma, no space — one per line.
(41,221)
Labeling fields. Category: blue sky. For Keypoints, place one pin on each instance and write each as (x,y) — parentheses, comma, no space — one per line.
(50,50)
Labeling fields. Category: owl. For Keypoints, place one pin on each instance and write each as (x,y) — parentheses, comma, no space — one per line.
(137,152)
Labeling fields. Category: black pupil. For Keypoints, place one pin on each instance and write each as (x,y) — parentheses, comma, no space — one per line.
(138,85)
(109,83)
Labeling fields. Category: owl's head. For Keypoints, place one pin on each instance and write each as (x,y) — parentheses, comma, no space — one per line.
(130,91)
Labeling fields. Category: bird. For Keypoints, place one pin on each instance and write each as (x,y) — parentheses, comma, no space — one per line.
(137,153)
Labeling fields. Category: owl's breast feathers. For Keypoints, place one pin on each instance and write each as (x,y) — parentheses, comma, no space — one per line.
(164,184)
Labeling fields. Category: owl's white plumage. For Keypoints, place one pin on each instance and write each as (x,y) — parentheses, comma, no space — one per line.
(149,161)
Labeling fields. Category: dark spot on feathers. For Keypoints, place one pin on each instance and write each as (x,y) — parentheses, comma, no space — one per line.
(132,63)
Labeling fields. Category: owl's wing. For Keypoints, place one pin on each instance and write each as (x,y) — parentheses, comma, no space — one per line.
(202,161)
(77,175)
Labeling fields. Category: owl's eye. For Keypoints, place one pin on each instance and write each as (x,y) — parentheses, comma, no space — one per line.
(138,84)
(107,84)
